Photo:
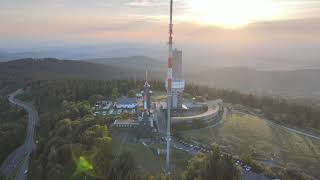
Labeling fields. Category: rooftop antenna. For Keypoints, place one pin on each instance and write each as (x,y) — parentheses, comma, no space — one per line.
(146,83)
(146,73)
(169,91)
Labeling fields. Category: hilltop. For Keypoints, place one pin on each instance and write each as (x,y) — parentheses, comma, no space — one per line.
(133,62)
(302,83)
(50,68)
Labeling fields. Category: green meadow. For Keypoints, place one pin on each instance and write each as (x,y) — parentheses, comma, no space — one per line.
(273,145)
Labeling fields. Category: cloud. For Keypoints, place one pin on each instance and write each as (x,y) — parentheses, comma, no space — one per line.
(136,24)
(146,3)
(139,20)
(160,7)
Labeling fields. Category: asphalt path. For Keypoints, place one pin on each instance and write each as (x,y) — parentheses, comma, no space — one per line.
(161,121)
(283,127)
(17,163)
(293,130)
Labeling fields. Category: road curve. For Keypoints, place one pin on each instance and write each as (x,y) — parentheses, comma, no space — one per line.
(293,130)
(17,163)
(272,123)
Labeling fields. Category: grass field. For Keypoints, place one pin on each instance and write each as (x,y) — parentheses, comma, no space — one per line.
(241,134)
(145,158)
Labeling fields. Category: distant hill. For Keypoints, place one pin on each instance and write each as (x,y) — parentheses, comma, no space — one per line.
(55,69)
(301,83)
(5,56)
(133,62)
(298,83)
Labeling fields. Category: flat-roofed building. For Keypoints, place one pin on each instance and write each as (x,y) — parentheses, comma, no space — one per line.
(126,103)
(125,124)
(102,108)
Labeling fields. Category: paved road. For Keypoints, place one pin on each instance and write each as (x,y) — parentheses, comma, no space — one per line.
(210,112)
(17,163)
(161,121)
(221,121)
(293,130)
(160,115)
(282,126)
(191,147)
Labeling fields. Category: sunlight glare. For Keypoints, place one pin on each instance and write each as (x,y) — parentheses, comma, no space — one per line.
(233,13)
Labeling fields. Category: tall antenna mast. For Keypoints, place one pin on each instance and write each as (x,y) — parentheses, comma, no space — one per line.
(146,73)
(169,90)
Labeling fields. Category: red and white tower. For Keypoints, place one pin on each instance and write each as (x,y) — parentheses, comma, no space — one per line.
(169,89)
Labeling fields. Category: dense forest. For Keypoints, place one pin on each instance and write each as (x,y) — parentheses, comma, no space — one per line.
(78,145)
(304,114)
(12,126)
(51,93)
(282,110)
(285,111)
(73,144)
(24,70)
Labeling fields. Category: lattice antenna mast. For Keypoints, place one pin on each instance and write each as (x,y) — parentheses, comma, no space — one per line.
(169,89)
(146,73)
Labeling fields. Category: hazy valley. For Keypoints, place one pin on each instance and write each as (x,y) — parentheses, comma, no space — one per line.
(294,83)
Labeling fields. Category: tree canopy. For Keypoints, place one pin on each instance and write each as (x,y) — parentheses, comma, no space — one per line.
(13,124)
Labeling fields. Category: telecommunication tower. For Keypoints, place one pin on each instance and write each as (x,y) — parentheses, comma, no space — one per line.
(169,90)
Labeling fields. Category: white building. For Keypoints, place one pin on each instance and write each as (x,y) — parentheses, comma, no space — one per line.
(125,124)
(102,108)
(178,84)
(177,64)
(126,103)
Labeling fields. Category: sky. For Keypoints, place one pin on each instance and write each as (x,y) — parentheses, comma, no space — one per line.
(204,26)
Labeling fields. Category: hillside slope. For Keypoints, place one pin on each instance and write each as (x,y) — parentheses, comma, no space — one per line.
(17,73)
(298,83)
(304,83)
(133,62)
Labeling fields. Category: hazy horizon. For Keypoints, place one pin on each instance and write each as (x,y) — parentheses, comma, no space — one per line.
(262,34)
(95,89)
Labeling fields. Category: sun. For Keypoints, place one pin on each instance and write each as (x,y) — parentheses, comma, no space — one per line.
(233,13)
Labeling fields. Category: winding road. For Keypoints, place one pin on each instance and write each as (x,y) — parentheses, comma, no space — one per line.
(17,163)
(160,118)
(292,130)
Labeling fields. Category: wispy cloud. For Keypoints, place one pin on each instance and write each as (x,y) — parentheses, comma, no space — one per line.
(146,3)
(132,19)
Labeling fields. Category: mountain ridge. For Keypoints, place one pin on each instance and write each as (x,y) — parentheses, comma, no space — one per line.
(296,83)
